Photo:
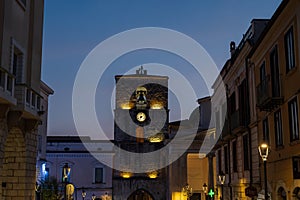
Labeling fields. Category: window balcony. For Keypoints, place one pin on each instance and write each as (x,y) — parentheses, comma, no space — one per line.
(237,122)
(7,85)
(268,96)
(225,129)
(28,101)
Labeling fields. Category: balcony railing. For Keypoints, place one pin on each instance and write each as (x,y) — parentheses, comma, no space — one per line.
(7,86)
(268,97)
(28,100)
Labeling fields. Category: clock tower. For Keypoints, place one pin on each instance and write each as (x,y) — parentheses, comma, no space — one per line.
(140,126)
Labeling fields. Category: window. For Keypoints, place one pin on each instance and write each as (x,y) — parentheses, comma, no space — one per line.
(275,75)
(220,160)
(226,159)
(28,96)
(296,167)
(99,175)
(232,103)
(234,156)
(33,99)
(63,178)
(278,129)
(217,116)
(246,152)
(38,103)
(289,50)
(293,119)
(243,104)
(46,175)
(266,130)
(17,64)
(263,74)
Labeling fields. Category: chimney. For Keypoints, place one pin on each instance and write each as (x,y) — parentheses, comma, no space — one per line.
(232,48)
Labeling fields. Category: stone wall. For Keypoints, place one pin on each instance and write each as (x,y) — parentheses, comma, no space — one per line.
(17,157)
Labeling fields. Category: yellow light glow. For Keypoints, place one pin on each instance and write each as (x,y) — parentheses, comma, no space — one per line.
(152,174)
(159,137)
(264,145)
(126,174)
(176,195)
(126,106)
(156,106)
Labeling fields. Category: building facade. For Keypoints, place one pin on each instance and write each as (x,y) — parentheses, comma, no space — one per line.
(275,64)
(235,120)
(21,94)
(193,168)
(89,176)
(141,127)
(262,106)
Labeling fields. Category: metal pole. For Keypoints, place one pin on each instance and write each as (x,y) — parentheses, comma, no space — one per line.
(266,184)
(66,191)
(222,191)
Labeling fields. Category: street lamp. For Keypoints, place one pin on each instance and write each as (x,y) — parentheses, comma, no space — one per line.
(187,191)
(222,181)
(204,187)
(93,197)
(83,193)
(264,152)
(66,173)
(105,196)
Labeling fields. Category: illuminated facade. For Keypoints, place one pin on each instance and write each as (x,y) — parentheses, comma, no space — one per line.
(236,151)
(22,107)
(141,126)
(275,64)
(87,173)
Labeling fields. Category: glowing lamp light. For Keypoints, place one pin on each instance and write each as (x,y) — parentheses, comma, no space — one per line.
(264,151)
(156,106)
(159,137)
(152,174)
(126,106)
(66,171)
(126,174)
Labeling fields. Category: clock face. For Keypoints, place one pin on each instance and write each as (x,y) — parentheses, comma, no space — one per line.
(141,116)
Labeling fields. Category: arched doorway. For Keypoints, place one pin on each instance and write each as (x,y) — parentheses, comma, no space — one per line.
(140,195)
(281,194)
(296,193)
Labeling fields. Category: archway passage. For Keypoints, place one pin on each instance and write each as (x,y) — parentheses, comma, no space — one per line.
(281,193)
(140,195)
(296,193)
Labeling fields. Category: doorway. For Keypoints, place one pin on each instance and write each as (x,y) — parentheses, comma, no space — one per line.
(140,195)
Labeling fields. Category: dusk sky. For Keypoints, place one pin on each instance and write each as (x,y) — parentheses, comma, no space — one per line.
(74,28)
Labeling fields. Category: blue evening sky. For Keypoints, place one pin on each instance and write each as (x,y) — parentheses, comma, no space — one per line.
(72,28)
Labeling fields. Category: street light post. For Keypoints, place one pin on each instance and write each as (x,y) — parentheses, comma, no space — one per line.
(204,187)
(66,173)
(264,152)
(83,193)
(222,181)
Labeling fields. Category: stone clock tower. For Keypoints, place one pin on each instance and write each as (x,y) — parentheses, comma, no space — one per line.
(140,126)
